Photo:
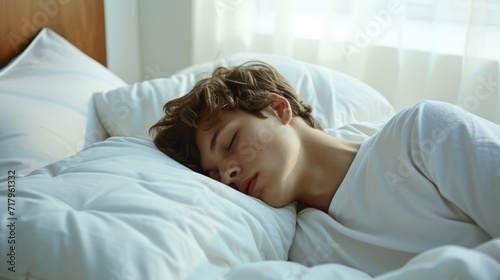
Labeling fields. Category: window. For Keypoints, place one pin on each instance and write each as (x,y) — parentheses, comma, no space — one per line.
(443,26)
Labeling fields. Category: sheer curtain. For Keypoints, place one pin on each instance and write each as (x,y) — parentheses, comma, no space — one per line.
(408,50)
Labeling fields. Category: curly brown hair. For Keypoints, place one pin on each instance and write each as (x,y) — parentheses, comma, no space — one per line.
(244,87)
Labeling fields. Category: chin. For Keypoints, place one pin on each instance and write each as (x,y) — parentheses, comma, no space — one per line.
(278,204)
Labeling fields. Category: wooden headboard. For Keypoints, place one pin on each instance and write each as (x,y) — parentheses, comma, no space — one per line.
(79,21)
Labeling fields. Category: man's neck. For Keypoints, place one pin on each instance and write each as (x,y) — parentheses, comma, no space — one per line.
(324,162)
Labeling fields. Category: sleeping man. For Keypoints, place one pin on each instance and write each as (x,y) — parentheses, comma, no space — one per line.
(430,177)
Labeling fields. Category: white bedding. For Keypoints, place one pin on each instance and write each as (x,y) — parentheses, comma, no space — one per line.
(46,104)
(337,99)
(446,262)
(120,209)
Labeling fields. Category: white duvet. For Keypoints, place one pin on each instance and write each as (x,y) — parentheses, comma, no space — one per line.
(121,209)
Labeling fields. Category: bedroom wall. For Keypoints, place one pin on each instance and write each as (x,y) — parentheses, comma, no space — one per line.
(122,44)
(148,39)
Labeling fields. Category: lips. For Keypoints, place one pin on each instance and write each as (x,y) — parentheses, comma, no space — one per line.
(248,186)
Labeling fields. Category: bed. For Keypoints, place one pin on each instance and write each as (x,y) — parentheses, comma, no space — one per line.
(85,194)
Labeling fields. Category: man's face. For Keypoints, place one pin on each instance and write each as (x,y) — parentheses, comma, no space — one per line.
(255,156)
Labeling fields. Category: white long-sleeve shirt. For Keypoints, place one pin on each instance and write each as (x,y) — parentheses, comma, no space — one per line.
(430,177)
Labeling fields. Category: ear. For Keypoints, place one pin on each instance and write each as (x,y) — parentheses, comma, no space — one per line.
(282,108)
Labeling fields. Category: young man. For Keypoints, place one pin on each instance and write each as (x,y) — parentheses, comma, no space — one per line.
(247,128)
(430,177)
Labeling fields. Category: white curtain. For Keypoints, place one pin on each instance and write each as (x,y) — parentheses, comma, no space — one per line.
(408,50)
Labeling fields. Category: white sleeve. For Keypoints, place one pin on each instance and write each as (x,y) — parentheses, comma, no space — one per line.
(460,153)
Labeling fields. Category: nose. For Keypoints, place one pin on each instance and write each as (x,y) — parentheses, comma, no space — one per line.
(230,172)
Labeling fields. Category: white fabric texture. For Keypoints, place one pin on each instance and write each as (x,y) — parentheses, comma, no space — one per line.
(46,103)
(445,262)
(356,131)
(121,209)
(337,99)
(429,178)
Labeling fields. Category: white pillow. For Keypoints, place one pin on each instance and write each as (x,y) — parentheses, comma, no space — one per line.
(131,110)
(46,107)
(357,131)
(121,209)
(337,99)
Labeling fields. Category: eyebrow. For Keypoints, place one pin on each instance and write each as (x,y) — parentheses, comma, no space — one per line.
(216,136)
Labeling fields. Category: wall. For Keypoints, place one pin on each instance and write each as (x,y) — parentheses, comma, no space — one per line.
(148,38)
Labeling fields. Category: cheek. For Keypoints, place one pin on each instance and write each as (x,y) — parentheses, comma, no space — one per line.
(281,155)
(270,146)
(267,135)
(276,161)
